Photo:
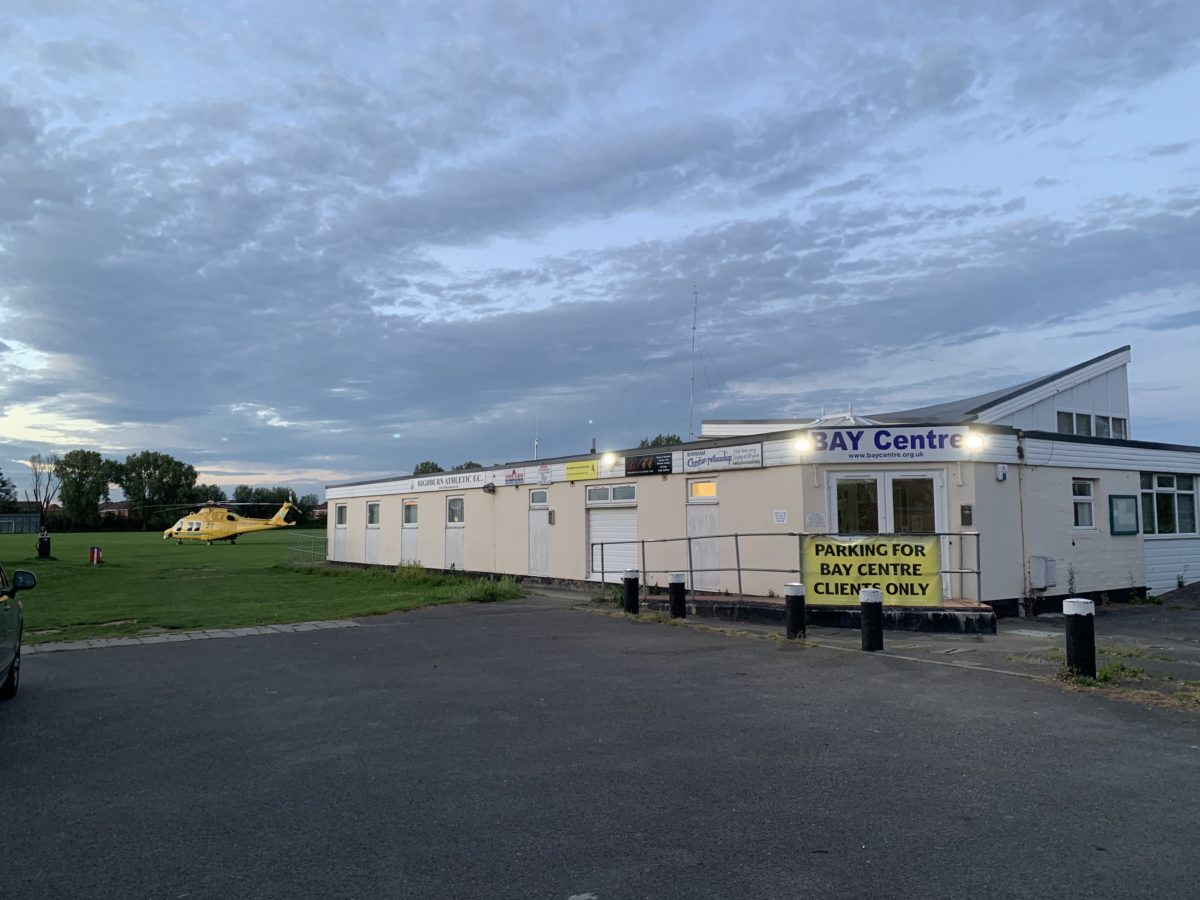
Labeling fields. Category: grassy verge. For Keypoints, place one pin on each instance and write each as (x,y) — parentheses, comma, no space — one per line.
(147,585)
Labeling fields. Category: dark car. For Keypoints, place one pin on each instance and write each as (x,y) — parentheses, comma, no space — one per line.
(10,630)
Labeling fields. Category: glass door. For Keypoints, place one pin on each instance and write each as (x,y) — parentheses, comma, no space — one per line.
(858,503)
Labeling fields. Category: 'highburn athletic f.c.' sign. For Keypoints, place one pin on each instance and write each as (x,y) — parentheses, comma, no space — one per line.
(892,444)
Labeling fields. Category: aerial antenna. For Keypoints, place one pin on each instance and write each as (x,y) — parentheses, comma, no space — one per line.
(692,385)
(537,421)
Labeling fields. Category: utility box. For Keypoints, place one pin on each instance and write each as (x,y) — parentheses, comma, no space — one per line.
(1043,572)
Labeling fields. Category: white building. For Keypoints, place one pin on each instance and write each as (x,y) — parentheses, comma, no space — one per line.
(1034,492)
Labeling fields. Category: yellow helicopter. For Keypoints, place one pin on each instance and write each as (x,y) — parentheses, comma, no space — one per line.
(213,522)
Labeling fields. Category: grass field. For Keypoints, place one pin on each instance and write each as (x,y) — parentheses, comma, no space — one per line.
(147,585)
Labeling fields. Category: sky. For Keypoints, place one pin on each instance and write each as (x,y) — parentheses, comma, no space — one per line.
(303,243)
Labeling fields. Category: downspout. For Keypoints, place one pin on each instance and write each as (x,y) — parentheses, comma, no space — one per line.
(1021,501)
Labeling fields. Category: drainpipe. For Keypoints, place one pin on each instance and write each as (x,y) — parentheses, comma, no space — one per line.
(1021,502)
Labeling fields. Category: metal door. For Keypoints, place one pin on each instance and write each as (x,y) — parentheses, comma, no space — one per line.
(701,522)
(617,529)
(454,547)
(539,542)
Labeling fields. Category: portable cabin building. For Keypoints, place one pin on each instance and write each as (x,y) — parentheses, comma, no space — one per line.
(1032,494)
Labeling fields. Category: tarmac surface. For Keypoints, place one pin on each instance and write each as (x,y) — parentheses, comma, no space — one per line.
(529,750)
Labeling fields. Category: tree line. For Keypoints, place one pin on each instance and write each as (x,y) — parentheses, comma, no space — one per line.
(159,489)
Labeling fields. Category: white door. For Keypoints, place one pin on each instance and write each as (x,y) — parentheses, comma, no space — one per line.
(701,522)
(409,554)
(454,548)
(607,526)
(539,542)
(371,546)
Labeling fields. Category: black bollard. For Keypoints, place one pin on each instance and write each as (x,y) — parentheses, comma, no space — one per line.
(43,548)
(794,611)
(631,591)
(1081,636)
(871,602)
(678,595)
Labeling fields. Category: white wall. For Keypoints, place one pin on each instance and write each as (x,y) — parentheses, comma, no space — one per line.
(1170,558)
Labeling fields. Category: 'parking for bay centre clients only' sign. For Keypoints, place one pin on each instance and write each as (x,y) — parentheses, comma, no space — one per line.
(907,569)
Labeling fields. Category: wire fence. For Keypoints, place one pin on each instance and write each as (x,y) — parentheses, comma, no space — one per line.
(304,548)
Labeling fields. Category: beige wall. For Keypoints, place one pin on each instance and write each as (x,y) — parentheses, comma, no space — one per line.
(496,532)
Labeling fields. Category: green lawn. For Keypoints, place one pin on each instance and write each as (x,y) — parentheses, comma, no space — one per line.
(147,585)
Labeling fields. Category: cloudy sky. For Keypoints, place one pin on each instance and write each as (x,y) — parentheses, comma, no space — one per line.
(304,242)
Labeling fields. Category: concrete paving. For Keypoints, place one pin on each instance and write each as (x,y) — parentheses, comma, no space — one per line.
(531,750)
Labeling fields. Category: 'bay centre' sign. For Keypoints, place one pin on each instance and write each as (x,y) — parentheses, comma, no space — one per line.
(906,569)
(929,444)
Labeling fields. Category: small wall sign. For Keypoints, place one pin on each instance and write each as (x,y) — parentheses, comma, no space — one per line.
(1122,514)
(780,516)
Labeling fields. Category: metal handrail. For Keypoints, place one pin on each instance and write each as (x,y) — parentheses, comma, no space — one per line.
(962,571)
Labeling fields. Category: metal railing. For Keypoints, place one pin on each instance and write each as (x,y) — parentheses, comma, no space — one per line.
(949,538)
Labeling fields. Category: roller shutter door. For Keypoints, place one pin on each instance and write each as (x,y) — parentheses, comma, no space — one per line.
(605,525)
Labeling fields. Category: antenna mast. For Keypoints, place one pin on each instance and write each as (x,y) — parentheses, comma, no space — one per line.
(537,421)
(692,385)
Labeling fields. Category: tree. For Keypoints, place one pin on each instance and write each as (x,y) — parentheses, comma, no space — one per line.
(429,467)
(151,478)
(265,500)
(45,481)
(203,493)
(469,464)
(308,503)
(84,477)
(8,494)
(661,440)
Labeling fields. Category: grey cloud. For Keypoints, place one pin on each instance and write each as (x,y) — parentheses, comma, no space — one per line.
(279,242)
(1169,149)
(83,55)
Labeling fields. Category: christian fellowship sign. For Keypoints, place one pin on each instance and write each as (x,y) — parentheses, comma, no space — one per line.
(744,456)
(929,444)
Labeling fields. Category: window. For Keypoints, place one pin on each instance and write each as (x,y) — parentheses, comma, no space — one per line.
(702,490)
(373,514)
(1066,423)
(1110,426)
(1081,496)
(1083,424)
(410,512)
(539,498)
(603,495)
(340,515)
(1168,503)
(454,511)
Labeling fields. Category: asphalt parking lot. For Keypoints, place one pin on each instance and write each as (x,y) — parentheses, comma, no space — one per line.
(530,750)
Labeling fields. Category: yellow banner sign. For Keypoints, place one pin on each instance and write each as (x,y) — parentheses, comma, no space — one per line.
(581,471)
(906,569)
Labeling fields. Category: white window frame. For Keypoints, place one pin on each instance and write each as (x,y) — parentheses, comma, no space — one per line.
(461,499)
(608,490)
(410,504)
(1078,501)
(340,515)
(375,505)
(1158,488)
(534,503)
(702,500)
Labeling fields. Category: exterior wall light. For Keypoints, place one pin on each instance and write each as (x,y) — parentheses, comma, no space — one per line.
(609,459)
(974,442)
(803,445)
